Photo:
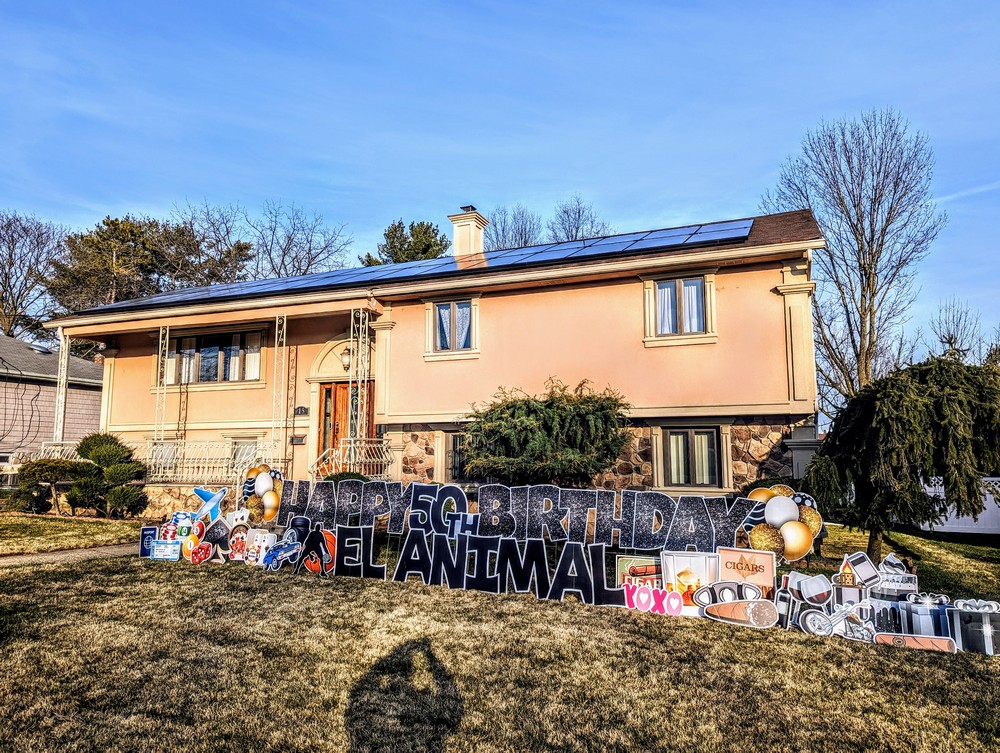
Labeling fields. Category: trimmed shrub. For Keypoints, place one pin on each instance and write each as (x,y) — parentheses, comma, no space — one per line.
(563,437)
(345,475)
(109,487)
(126,500)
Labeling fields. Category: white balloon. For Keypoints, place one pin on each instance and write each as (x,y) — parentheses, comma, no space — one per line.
(780,510)
(264,483)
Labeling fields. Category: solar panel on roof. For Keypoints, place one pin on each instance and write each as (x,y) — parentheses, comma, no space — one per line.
(616,239)
(603,248)
(717,235)
(662,242)
(731,225)
(671,232)
(625,244)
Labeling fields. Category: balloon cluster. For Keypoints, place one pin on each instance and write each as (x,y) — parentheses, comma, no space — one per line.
(264,483)
(790,523)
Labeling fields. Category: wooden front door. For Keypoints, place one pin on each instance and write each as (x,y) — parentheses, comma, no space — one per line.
(335,412)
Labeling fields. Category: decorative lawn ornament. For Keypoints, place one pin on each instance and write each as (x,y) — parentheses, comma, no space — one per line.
(272,502)
(315,563)
(238,541)
(919,642)
(756,613)
(147,535)
(685,573)
(748,566)
(638,571)
(552,542)
(760,494)
(797,538)
(975,625)
(780,510)
(211,502)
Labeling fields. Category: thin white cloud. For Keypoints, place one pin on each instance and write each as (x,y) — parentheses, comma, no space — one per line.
(985,188)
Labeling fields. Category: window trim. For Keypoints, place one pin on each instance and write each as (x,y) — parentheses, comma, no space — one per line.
(722,424)
(219,384)
(690,432)
(651,338)
(431,351)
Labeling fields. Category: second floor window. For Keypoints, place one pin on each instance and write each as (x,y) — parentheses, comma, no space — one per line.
(454,325)
(680,306)
(224,357)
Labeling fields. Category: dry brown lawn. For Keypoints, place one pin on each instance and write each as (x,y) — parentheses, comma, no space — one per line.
(27,534)
(135,655)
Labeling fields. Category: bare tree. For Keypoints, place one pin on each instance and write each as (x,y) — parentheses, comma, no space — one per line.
(27,247)
(288,242)
(868,183)
(957,331)
(512,227)
(574,219)
(206,244)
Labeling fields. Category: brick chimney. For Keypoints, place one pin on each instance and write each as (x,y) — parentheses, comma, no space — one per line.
(467,232)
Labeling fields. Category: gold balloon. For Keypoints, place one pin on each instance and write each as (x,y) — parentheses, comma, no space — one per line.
(766,538)
(253,473)
(263,468)
(811,518)
(271,502)
(798,539)
(760,494)
(782,490)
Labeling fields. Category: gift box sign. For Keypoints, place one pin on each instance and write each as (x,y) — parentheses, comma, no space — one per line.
(925,614)
(975,626)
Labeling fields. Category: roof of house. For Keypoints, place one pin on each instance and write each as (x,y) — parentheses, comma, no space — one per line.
(21,360)
(748,232)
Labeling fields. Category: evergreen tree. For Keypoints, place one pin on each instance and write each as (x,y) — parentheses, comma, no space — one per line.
(115,261)
(422,240)
(936,419)
(563,437)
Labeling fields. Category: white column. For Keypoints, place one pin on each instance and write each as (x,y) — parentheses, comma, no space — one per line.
(62,384)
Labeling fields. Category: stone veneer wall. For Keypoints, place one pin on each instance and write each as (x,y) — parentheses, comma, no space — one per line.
(418,458)
(164,499)
(759,450)
(634,468)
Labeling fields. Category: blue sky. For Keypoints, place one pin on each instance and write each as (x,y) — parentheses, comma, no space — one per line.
(658,113)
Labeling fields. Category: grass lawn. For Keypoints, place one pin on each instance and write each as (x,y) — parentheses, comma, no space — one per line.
(25,534)
(129,654)
(957,565)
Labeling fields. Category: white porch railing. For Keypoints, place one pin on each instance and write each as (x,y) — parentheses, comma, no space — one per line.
(180,461)
(369,457)
(57,451)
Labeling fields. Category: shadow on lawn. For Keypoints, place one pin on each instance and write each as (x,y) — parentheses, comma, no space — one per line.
(407,701)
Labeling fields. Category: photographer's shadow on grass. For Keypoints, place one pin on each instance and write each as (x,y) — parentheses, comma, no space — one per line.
(407,701)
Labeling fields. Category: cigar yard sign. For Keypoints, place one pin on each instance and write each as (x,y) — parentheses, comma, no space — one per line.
(690,556)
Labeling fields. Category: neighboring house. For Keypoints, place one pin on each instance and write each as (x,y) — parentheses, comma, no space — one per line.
(29,375)
(705,329)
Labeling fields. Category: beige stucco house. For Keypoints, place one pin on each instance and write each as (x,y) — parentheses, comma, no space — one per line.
(705,329)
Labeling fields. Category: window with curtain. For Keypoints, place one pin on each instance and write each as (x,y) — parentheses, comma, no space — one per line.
(680,306)
(692,457)
(214,358)
(454,325)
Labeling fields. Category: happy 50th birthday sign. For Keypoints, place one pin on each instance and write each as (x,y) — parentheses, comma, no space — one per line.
(692,556)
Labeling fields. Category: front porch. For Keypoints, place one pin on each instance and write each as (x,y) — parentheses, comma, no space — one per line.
(183,462)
